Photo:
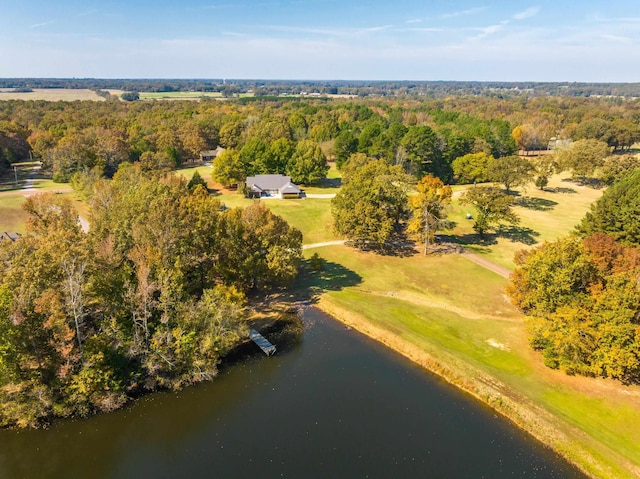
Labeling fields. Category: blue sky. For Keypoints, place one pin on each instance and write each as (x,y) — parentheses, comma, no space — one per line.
(322,39)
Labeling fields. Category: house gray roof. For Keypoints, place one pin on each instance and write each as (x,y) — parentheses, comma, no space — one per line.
(12,236)
(212,153)
(272,182)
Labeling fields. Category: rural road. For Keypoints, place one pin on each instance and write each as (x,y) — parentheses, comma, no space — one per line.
(28,188)
(485,263)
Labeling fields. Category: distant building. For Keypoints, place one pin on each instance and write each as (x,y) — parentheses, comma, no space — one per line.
(10,236)
(210,155)
(272,185)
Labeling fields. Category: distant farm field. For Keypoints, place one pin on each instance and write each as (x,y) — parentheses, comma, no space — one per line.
(51,94)
(178,95)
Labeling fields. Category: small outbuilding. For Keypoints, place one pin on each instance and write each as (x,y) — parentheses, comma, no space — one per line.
(210,155)
(280,186)
(9,236)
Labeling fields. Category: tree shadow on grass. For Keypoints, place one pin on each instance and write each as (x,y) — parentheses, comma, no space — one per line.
(330,183)
(311,283)
(538,204)
(479,244)
(594,183)
(560,189)
(518,234)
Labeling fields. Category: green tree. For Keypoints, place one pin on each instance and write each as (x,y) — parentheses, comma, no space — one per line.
(258,248)
(231,134)
(368,209)
(228,168)
(344,146)
(422,148)
(615,167)
(583,157)
(308,165)
(545,166)
(280,152)
(196,180)
(492,206)
(616,211)
(472,167)
(428,209)
(255,157)
(511,171)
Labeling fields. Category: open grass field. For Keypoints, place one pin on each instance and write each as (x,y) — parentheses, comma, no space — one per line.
(51,94)
(12,216)
(544,215)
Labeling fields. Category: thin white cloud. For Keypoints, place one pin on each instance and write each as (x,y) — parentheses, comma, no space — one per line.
(414,20)
(234,34)
(616,38)
(43,24)
(419,29)
(601,19)
(528,13)
(490,30)
(87,13)
(461,13)
(334,32)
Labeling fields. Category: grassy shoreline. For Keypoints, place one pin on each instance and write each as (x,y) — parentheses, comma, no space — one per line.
(491,392)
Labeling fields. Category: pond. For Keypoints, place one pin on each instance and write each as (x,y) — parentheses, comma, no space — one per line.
(334,405)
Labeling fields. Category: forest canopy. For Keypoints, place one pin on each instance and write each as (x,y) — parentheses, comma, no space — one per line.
(151,297)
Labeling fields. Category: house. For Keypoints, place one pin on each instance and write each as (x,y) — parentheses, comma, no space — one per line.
(210,155)
(272,185)
(9,236)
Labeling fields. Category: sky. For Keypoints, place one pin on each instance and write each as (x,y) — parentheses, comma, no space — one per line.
(583,41)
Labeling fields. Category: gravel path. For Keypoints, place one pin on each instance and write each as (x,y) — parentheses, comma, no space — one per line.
(320,245)
(485,263)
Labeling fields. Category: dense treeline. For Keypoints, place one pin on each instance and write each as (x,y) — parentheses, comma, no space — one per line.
(151,297)
(424,136)
(352,87)
(582,293)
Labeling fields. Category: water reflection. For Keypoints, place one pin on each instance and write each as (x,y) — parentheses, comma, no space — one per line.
(335,405)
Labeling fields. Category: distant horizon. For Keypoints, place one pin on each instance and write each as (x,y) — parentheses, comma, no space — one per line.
(318,80)
(519,41)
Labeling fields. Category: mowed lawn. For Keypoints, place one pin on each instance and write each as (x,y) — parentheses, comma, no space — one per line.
(12,216)
(458,314)
(544,216)
(312,216)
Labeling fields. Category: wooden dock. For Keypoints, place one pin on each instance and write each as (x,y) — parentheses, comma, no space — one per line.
(268,348)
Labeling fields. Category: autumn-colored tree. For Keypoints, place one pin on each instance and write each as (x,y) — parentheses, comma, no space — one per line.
(583,303)
(428,209)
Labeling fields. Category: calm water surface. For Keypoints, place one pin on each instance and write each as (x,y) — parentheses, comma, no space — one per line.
(335,406)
